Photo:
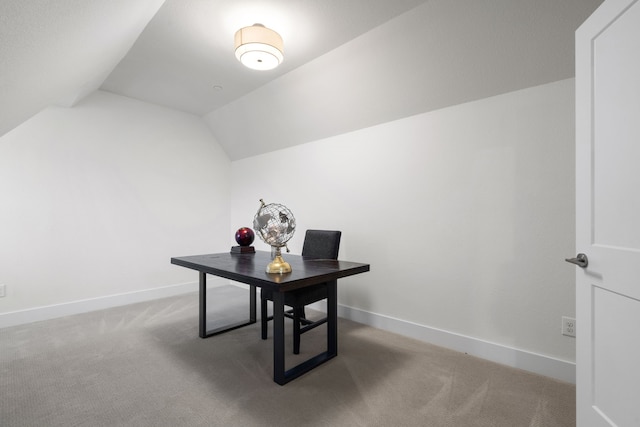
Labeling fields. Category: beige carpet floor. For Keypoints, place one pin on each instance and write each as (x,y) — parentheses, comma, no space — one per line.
(144,365)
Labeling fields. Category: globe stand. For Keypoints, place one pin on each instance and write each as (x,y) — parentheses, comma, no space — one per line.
(278,265)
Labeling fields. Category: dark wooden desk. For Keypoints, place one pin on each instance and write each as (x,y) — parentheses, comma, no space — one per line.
(250,269)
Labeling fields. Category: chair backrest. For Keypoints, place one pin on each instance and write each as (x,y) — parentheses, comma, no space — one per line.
(323,244)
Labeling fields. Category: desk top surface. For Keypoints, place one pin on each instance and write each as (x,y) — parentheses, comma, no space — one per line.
(250,269)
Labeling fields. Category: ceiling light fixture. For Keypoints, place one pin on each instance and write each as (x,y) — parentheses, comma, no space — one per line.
(259,47)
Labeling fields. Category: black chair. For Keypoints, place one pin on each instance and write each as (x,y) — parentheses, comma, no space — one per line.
(318,244)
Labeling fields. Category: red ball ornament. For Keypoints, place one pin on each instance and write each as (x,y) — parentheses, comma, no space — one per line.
(245,236)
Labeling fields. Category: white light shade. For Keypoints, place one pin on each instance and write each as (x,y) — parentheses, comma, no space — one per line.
(258,47)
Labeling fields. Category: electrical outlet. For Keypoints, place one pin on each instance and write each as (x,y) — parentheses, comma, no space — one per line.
(3,291)
(568,326)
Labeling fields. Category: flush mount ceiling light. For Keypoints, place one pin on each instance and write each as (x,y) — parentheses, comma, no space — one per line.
(259,47)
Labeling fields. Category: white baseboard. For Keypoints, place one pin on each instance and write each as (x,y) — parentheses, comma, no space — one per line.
(37,314)
(543,365)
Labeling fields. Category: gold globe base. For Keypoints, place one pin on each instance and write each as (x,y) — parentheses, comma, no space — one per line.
(278,265)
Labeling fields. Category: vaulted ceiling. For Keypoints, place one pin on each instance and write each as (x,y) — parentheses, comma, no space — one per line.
(348,64)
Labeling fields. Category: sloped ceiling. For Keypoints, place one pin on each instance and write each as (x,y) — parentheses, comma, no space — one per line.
(186,51)
(348,64)
(57,52)
(441,53)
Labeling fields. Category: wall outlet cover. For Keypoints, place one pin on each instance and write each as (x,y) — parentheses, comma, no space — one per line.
(568,326)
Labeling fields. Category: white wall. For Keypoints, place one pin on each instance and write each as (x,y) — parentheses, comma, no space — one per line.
(465,215)
(96,199)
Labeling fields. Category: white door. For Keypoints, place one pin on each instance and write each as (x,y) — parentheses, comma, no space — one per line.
(608,215)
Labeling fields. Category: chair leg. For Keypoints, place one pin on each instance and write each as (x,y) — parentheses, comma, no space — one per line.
(263,317)
(297,314)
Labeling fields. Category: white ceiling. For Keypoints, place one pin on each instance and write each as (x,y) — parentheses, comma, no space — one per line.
(57,52)
(187,48)
(348,63)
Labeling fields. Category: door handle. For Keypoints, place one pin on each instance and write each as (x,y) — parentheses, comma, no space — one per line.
(580,260)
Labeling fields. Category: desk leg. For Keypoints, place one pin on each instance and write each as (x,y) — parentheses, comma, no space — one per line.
(332,318)
(252,303)
(281,376)
(202,321)
(278,339)
(202,324)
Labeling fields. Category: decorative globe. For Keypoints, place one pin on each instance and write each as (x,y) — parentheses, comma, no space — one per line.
(275,225)
(245,236)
